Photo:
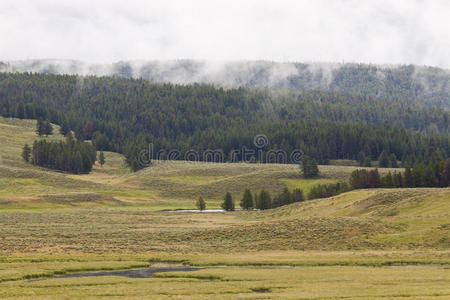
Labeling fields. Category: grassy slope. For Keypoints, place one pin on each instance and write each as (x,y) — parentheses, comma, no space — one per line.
(164,185)
(107,219)
(363,219)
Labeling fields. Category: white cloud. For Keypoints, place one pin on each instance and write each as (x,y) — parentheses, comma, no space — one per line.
(372,31)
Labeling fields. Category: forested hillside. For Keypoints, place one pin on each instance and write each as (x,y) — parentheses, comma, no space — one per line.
(119,114)
(427,85)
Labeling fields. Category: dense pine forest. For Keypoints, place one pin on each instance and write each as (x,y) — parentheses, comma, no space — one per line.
(119,114)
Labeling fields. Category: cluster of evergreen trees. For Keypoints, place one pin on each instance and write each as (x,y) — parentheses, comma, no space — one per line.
(327,190)
(69,156)
(263,199)
(360,179)
(117,112)
(43,127)
(434,174)
(287,197)
(309,167)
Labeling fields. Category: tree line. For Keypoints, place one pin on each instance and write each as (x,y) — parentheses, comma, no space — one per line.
(262,200)
(434,174)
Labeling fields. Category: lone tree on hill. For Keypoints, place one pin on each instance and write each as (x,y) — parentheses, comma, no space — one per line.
(26,153)
(201,205)
(247,200)
(228,203)
(309,167)
(101,158)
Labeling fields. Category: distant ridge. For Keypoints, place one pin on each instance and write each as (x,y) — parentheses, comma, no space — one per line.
(428,85)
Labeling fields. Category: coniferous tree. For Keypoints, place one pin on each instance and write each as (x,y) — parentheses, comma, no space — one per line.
(418,173)
(26,153)
(393,161)
(387,181)
(445,175)
(264,200)
(40,127)
(361,158)
(64,129)
(88,130)
(374,180)
(309,167)
(228,203)
(383,160)
(201,205)
(20,113)
(367,162)
(29,111)
(429,177)
(247,200)
(256,200)
(408,180)
(77,163)
(47,128)
(398,180)
(136,155)
(297,195)
(359,179)
(285,197)
(101,158)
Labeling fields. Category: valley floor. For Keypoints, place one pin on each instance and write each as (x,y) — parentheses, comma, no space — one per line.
(379,243)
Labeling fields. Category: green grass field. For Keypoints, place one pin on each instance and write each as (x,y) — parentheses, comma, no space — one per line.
(390,243)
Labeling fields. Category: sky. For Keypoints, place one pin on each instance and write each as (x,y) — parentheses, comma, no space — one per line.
(369,31)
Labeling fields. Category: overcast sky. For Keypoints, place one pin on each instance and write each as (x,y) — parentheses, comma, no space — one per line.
(372,31)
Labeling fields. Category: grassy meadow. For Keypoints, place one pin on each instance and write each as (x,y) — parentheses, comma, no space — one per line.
(389,243)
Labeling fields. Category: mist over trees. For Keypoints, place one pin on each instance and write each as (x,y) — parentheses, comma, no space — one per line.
(428,85)
(125,115)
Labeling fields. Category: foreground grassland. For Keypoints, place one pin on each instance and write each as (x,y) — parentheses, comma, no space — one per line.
(391,243)
(249,283)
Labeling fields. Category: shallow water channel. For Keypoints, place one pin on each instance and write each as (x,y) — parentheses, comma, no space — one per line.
(148,272)
(133,273)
